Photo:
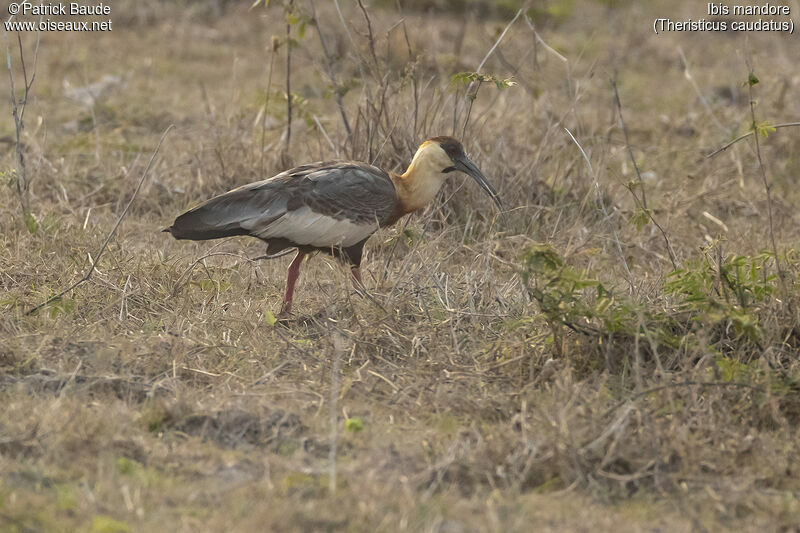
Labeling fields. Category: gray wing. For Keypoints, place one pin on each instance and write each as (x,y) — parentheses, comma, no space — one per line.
(322,204)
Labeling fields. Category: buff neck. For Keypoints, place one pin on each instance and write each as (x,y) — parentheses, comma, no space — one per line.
(421,182)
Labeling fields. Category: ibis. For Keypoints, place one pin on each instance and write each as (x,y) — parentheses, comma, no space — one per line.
(330,206)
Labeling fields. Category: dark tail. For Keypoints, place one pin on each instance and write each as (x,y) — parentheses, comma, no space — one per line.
(223,216)
(212,219)
(191,226)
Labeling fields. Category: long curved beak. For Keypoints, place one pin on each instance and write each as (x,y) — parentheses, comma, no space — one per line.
(468,167)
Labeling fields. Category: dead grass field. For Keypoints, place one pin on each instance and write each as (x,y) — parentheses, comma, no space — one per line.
(543,369)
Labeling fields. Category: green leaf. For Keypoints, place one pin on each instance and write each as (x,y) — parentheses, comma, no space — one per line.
(470,77)
(751,79)
(542,257)
(462,77)
(354,424)
(764,129)
(270,318)
(292,19)
(640,218)
(505,83)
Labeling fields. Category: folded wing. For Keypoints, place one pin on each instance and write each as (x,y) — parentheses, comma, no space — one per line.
(327,204)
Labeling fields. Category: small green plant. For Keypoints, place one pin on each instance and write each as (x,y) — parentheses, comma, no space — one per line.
(728,290)
(569,296)
(477,77)
(354,424)
(726,296)
(640,218)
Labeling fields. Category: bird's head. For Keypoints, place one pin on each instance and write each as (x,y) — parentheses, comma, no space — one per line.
(437,157)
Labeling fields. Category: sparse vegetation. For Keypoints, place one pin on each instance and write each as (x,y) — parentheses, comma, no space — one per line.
(616,351)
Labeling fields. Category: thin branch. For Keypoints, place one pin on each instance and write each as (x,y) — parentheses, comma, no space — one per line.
(288,82)
(371,36)
(113,232)
(337,90)
(497,42)
(469,108)
(20,181)
(469,93)
(603,206)
(273,53)
(28,83)
(688,75)
(628,143)
(541,41)
(344,24)
(18,112)
(748,134)
(767,185)
(643,200)
(491,51)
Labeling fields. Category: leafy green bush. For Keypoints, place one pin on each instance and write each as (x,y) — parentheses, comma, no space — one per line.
(718,299)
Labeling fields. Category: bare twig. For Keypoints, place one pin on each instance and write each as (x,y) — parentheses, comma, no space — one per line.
(371,36)
(473,95)
(288,82)
(643,199)
(414,87)
(748,134)
(767,184)
(471,98)
(602,203)
(547,47)
(325,134)
(337,90)
(500,38)
(273,52)
(18,112)
(688,75)
(628,143)
(110,236)
(344,24)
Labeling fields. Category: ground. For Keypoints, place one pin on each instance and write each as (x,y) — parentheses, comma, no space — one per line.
(614,351)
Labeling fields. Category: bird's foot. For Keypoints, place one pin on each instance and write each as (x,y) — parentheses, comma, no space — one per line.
(358,284)
(285,313)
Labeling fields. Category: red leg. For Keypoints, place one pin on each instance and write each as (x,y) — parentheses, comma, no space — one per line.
(291,278)
(357,283)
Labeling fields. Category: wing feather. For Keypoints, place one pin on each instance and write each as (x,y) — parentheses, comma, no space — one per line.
(326,204)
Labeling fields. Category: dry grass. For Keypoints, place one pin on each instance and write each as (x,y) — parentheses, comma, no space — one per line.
(471,397)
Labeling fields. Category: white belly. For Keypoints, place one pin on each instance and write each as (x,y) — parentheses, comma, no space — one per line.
(304,226)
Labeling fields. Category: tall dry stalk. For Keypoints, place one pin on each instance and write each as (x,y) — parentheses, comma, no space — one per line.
(18,112)
(751,81)
(288,82)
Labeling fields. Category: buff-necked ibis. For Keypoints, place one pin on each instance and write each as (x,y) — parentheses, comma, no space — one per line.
(332,206)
